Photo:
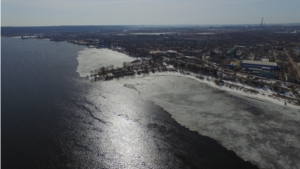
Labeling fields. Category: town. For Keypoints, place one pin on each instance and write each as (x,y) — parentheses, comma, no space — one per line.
(257,56)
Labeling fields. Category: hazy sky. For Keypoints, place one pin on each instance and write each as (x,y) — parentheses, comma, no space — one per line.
(147,12)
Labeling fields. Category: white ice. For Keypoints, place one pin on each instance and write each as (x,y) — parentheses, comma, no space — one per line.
(91,58)
(259,129)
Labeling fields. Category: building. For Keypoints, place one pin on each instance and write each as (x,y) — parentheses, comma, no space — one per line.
(135,63)
(265,69)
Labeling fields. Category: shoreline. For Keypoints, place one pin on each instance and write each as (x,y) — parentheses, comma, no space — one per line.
(221,83)
(211,83)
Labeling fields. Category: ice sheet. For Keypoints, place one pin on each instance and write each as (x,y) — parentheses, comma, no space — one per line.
(91,58)
(258,130)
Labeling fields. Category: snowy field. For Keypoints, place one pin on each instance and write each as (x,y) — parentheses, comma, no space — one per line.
(259,129)
(91,58)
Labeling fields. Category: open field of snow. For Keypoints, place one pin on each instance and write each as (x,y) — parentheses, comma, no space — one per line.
(91,58)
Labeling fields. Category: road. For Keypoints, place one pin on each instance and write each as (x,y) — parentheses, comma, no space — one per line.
(296,67)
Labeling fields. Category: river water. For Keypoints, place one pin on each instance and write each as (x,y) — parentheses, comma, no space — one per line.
(53,118)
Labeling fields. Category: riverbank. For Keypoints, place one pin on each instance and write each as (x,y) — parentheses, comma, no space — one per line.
(248,91)
(106,64)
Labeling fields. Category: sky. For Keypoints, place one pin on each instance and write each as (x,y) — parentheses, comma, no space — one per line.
(147,12)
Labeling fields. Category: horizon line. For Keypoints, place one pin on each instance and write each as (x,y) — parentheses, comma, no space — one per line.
(248,24)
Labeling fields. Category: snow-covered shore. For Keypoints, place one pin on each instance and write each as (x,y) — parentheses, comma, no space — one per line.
(261,93)
(91,58)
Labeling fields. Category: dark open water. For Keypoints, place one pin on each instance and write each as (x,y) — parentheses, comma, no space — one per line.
(48,120)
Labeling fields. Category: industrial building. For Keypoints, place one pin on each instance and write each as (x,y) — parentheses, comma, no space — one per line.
(265,69)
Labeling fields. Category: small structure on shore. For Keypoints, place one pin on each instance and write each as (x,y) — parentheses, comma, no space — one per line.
(135,62)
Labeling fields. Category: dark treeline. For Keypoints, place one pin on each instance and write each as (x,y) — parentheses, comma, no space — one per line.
(11,31)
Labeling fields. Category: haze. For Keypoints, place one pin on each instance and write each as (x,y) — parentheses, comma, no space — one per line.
(146,12)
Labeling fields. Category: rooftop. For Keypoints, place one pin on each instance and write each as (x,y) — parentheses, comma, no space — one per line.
(135,61)
(259,62)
